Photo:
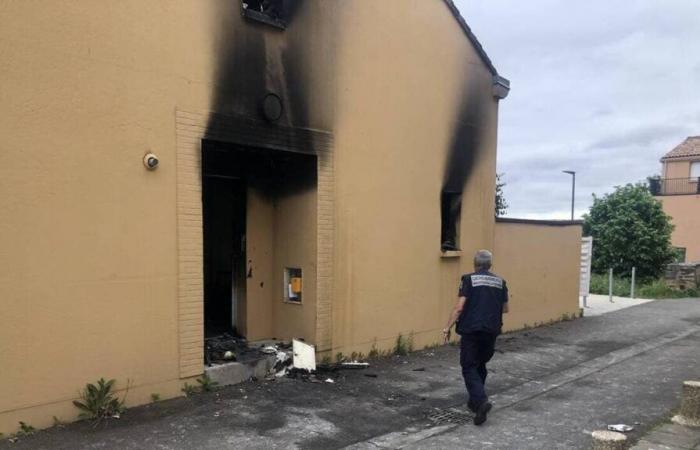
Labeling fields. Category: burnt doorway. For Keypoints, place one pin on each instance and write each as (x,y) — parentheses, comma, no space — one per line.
(224,226)
(256,217)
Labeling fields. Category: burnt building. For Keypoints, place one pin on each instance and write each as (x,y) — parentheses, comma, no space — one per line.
(272,169)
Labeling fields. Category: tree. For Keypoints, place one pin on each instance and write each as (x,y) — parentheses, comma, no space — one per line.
(501,204)
(629,229)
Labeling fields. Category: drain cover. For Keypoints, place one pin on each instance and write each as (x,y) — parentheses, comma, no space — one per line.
(445,416)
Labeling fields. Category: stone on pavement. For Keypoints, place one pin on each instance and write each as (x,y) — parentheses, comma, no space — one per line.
(608,440)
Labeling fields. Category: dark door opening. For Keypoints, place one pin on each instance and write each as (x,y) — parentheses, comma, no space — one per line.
(224,223)
(237,182)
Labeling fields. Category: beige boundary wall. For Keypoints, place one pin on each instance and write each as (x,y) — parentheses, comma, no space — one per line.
(540,261)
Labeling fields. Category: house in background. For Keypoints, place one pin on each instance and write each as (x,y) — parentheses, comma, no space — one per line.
(678,189)
(171,171)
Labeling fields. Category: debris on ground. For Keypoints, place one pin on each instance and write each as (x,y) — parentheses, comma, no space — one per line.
(419,369)
(354,365)
(304,355)
(620,428)
(225,348)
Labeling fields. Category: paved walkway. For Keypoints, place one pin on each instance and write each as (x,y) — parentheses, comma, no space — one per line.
(600,304)
(551,387)
(670,436)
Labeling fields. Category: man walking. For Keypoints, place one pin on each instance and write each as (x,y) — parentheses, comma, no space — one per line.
(483,298)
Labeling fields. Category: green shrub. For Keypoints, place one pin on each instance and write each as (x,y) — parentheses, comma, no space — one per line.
(599,285)
(654,289)
(630,229)
(658,289)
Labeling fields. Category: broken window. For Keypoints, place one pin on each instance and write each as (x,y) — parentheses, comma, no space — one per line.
(451,212)
(270,12)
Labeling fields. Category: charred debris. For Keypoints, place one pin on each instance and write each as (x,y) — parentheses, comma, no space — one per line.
(293,359)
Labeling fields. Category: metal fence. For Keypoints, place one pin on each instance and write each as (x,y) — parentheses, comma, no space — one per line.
(674,186)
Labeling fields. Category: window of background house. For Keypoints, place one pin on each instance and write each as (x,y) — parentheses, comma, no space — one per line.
(270,12)
(450,212)
(695,169)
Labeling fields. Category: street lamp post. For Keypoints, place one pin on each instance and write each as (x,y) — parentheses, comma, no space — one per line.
(573,189)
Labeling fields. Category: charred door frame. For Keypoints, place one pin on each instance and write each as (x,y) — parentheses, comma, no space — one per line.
(192,129)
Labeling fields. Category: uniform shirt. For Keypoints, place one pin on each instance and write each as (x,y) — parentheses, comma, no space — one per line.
(486,294)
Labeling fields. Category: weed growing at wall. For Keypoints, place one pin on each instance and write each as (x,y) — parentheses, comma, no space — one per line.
(189,389)
(58,422)
(25,429)
(99,402)
(402,346)
(155,397)
(373,352)
(206,384)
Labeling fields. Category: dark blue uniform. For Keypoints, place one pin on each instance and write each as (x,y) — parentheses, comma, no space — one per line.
(479,324)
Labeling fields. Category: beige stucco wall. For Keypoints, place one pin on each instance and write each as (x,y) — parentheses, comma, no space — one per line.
(676,169)
(405,77)
(685,216)
(541,266)
(90,266)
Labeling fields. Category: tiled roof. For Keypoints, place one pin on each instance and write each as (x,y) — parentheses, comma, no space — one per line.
(688,148)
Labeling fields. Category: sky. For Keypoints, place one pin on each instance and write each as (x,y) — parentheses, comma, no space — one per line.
(601,87)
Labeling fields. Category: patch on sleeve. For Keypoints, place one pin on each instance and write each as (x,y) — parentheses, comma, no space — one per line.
(487,280)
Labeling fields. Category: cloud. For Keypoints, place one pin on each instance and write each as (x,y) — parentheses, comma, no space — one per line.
(601,88)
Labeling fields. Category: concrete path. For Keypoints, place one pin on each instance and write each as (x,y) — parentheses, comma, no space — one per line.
(551,387)
(670,436)
(600,304)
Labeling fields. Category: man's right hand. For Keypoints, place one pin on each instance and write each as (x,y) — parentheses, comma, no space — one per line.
(446,335)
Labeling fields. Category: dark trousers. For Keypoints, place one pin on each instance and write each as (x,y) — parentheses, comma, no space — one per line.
(476,350)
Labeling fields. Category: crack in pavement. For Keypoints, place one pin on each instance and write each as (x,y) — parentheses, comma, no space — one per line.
(530,389)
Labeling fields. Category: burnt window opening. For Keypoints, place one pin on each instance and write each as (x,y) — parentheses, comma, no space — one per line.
(292,285)
(270,12)
(451,213)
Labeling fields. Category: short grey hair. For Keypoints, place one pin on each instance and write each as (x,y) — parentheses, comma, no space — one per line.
(483,259)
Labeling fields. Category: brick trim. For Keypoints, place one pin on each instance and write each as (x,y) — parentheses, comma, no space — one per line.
(190,129)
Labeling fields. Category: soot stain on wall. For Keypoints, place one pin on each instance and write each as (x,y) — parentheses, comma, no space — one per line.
(461,160)
(254,59)
(465,142)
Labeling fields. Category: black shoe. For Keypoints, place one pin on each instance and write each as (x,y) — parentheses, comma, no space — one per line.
(482,412)
(472,407)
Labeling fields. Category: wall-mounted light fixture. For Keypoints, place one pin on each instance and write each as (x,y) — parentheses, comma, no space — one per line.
(151,161)
(272,107)
(501,87)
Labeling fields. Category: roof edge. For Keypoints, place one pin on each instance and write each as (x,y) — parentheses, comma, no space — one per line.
(472,37)
(680,158)
(551,223)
